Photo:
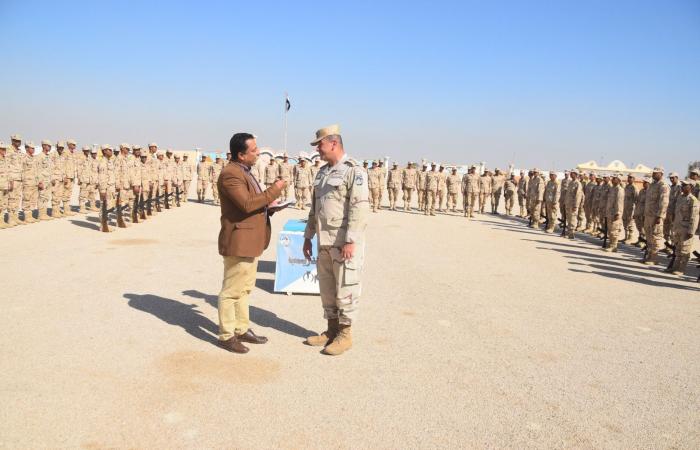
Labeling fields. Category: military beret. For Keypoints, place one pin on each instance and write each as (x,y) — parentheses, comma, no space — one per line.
(673,174)
(153,144)
(46,142)
(658,169)
(60,144)
(16,137)
(71,141)
(3,145)
(106,147)
(86,148)
(29,144)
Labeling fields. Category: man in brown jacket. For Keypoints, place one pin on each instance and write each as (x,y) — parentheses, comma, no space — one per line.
(245,233)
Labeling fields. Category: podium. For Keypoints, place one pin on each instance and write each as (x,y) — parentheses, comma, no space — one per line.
(294,274)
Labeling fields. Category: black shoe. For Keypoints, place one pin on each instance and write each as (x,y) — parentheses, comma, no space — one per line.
(251,338)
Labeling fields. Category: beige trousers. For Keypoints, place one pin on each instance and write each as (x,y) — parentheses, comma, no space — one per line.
(339,284)
(239,280)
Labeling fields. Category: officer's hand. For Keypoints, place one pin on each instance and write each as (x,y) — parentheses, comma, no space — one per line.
(41,185)
(308,250)
(348,251)
(53,183)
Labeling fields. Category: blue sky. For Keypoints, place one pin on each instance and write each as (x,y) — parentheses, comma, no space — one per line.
(545,84)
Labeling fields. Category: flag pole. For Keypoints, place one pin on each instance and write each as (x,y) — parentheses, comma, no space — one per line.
(284,105)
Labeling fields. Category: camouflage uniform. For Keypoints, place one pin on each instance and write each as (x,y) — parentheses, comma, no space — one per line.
(394,186)
(628,210)
(409,178)
(654,214)
(685,223)
(470,193)
(453,187)
(552,194)
(614,208)
(431,187)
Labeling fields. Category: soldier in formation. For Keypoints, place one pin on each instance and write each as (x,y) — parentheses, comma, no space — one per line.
(303,180)
(394,186)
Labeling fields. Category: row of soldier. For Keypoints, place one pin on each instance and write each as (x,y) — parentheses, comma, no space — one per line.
(130,182)
(663,217)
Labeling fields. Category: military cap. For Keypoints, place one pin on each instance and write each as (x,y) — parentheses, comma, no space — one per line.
(71,141)
(395,163)
(686,181)
(567,171)
(124,145)
(695,170)
(136,147)
(616,175)
(433,164)
(106,147)
(321,133)
(60,144)
(153,144)
(168,150)
(159,153)
(46,142)
(86,148)
(535,169)
(16,137)
(29,144)
(647,179)
(93,151)
(573,171)
(673,174)
(3,145)
(177,156)
(658,169)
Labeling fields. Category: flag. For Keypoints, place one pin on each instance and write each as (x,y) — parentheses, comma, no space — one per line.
(287,105)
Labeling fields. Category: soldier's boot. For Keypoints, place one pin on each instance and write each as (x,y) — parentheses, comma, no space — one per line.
(17,219)
(680,265)
(44,215)
(81,209)
(650,259)
(12,220)
(67,211)
(56,212)
(3,225)
(29,217)
(326,337)
(341,343)
(93,207)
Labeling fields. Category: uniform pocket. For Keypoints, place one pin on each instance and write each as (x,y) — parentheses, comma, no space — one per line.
(351,272)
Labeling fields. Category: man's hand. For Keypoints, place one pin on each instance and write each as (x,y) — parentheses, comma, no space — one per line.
(41,185)
(658,221)
(348,251)
(308,249)
(573,210)
(137,189)
(617,217)
(280,184)
(103,196)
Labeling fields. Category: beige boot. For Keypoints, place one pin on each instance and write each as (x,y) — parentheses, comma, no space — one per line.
(67,211)
(12,220)
(56,212)
(325,337)
(81,210)
(44,215)
(341,343)
(29,217)
(3,225)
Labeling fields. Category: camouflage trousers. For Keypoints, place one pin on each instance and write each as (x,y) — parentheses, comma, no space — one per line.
(14,197)
(87,194)
(3,203)
(67,192)
(57,191)
(482,200)
(551,214)
(639,223)
(441,196)
(339,283)
(627,223)
(496,199)
(452,200)
(615,228)
(186,188)
(430,197)
(571,221)
(375,197)
(421,199)
(45,196)
(683,246)
(30,196)
(654,234)
(522,204)
(510,202)
(393,197)
(469,200)
(202,186)
(407,198)
(302,196)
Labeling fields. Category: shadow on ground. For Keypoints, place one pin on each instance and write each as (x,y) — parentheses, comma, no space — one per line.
(259,316)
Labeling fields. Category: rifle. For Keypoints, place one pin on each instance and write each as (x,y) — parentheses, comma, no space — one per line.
(120,218)
(562,223)
(135,210)
(605,233)
(672,256)
(165,198)
(177,195)
(104,226)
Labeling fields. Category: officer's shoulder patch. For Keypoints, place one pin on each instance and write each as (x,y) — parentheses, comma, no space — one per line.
(359,178)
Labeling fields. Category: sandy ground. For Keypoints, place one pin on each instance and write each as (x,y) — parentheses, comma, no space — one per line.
(473,334)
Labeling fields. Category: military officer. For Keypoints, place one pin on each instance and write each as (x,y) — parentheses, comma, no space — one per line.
(284,173)
(522,193)
(562,191)
(48,177)
(270,173)
(215,172)
(70,160)
(375,185)
(14,155)
(614,208)
(203,178)
(31,182)
(107,180)
(470,191)
(454,185)
(338,217)
(187,170)
(551,201)
(574,194)
(535,195)
(674,192)
(497,182)
(484,190)
(685,223)
(432,181)
(596,193)
(409,178)
(170,175)
(302,183)
(628,209)
(655,209)
(394,186)
(442,188)
(420,187)
(509,190)
(7,179)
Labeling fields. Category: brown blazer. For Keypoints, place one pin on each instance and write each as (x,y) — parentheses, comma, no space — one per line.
(245,226)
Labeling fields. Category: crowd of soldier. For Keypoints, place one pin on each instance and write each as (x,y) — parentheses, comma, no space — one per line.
(37,187)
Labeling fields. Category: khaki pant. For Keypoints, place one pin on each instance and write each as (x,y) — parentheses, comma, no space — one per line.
(510,202)
(87,194)
(482,201)
(286,192)
(551,210)
(496,199)
(469,202)
(639,223)
(67,193)
(430,197)
(522,203)
(421,199)
(393,197)
(302,196)
(375,197)
(45,196)
(441,196)
(654,234)
(536,212)
(452,201)
(571,221)
(239,280)
(14,197)
(407,198)
(627,223)
(215,193)
(56,197)
(186,189)
(614,231)
(202,186)
(30,196)
(339,284)
(3,203)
